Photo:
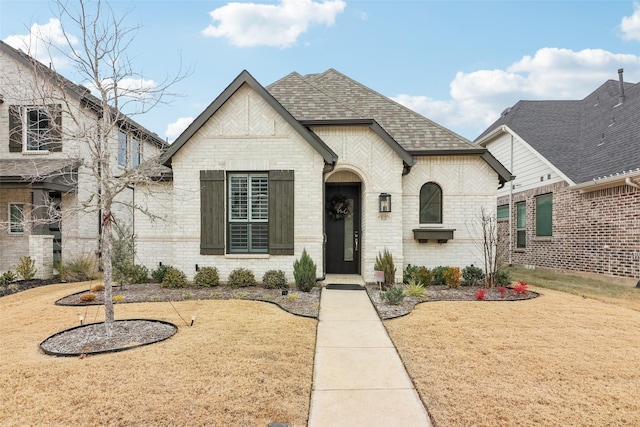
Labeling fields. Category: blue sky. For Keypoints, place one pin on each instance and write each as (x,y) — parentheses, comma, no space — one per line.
(459,63)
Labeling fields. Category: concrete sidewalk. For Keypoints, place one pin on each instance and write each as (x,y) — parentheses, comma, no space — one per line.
(359,379)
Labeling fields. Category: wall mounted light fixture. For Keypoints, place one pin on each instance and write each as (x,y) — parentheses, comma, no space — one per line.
(384,202)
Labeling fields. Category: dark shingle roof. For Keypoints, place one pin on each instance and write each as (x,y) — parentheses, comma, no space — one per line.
(586,139)
(334,96)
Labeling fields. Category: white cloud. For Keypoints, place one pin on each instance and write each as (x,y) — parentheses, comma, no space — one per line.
(44,42)
(176,128)
(478,98)
(630,25)
(253,24)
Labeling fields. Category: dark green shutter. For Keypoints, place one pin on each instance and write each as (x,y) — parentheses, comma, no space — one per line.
(15,129)
(212,212)
(281,212)
(55,143)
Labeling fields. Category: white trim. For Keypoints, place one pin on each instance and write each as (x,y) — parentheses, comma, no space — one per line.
(612,181)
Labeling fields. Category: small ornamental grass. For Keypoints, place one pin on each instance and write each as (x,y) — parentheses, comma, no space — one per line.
(384,263)
(241,277)
(88,297)
(414,290)
(206,277)
(481,294)
(97,288)
(521,288)
(118,298)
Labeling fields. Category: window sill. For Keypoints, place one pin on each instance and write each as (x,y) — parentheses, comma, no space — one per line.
(520,250)
(36,152)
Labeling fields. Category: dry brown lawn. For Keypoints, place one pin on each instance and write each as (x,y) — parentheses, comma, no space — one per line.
(243,363)
(557,360)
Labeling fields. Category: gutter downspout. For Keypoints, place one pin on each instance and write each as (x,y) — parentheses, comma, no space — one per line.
(511,203)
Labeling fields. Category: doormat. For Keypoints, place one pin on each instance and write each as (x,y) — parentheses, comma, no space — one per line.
(345,287)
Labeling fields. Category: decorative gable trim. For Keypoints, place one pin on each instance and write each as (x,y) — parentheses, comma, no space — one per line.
(244,77)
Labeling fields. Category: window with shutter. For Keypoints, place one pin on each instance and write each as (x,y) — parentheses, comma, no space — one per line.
(35,128)
(212,212)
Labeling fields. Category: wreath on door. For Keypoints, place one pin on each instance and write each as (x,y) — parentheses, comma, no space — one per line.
(338,207)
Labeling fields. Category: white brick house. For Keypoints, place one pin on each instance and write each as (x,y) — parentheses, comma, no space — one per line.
(47,195)
(308,163)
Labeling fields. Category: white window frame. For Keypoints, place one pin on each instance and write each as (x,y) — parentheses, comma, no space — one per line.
(16,227)
(26,130)
(254,212)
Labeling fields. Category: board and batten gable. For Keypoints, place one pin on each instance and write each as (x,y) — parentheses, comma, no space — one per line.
(379,169)
(246,135)
(468,185)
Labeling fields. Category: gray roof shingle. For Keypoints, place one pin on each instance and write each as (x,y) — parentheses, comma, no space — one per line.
(586,139)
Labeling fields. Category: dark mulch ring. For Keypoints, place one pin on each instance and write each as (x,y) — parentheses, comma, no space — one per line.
(23,285)
(440,293)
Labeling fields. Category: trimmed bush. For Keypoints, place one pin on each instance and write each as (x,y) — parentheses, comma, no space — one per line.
(97,288)
(241,277)
(7,277)
(27,268)
(503,277)
(274,279)
(472,276)
(87,297)
(452,277)
(158,274)
(206,277)
(437,277)
(420,274)
(304,272)
(394,295)
(384,263)
(174,278)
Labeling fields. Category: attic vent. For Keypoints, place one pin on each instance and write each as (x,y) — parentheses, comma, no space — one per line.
(505,112)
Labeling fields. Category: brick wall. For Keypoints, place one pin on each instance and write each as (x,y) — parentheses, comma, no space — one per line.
(594,232)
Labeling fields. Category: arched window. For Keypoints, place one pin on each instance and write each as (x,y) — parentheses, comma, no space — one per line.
(431,204)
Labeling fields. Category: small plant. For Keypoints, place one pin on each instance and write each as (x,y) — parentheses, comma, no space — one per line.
(118,298)
(521,288)
(472,276)
(394,295)
(206,277)
(75,270)
(503,277)
(215,295)
(88,297)
(274,279)
(158,274)
(452,277)
(241,277)
(174,278)
(7,277)
(481,294)
(155,299)
(292,297)
(27,268)
(187,295)
(503,291)
(438,275)
(414,289)
(240,295)
(97,288)
(304,272)
(384,263)
(267,298)
(422,275)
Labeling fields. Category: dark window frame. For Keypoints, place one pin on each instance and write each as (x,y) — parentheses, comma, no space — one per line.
(544,215)
(247,213)
(521,225)
(431,204)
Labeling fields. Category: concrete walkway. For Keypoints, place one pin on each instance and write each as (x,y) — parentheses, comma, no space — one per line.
(359,379)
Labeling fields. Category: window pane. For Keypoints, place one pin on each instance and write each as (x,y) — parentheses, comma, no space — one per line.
(259,198)
(16,218)
(38,128)
(544,209)
(238,198)
(522,239)
(239,237)
(430,204)
(122,149)
(135,153)
(259,237)
(521,215)
(503,211)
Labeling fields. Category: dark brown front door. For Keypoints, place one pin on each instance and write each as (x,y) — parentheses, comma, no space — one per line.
(342,226)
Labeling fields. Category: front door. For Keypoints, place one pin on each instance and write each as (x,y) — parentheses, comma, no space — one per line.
(342,226)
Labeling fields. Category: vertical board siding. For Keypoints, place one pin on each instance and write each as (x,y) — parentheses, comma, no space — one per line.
(212,212)
(281,212)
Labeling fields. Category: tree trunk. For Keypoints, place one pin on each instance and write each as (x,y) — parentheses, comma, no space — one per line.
(107,245)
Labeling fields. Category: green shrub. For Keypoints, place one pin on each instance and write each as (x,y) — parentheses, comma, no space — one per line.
(420,274)
(76,270)
(394,295)
(158,274)
(27,268)
(304,272)
(472,276)
(7,277)
(174,278)
(274,279)
(384,263)
(206,277)
(125,271)
(414,289)
(452,277)
(437,277)
(139,274)
(241,277)
(503,277)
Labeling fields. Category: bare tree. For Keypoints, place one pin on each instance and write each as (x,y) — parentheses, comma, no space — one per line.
(97,46)
(488,223)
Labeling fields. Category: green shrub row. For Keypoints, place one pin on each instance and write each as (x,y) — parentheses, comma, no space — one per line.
(452,276)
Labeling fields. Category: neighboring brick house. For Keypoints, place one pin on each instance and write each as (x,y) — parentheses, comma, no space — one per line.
(575,199)
(322,163)
(47,196)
